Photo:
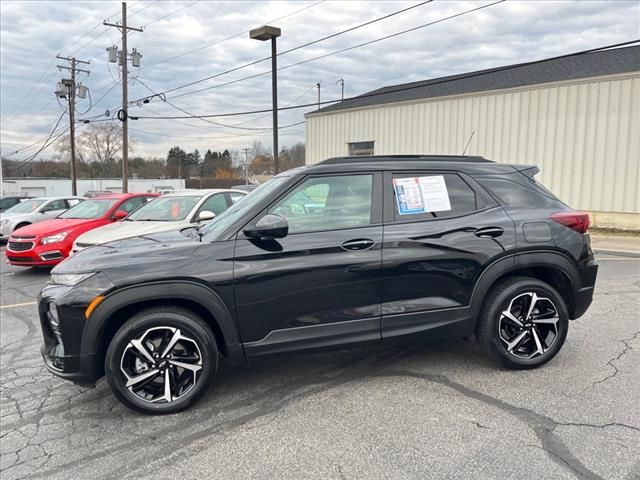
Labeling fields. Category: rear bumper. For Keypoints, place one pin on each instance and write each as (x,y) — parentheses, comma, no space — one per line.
(583,299)
(584,296)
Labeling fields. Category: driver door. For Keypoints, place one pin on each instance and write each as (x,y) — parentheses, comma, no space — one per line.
(318,287)
(54,208)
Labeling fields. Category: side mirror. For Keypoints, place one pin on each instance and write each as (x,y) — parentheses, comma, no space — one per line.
(120,215)
(205,215)
(269,226)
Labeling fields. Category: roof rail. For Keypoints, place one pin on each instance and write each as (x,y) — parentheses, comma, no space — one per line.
(392,158)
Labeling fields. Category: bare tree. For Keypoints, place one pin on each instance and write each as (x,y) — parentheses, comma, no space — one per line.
(98,148)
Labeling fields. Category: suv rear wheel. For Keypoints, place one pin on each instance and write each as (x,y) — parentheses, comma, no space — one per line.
(161,360)
(524,323)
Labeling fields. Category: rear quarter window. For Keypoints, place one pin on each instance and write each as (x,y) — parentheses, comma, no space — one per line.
(515,194)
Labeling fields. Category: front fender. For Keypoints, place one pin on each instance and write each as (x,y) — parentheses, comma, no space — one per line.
(163,291)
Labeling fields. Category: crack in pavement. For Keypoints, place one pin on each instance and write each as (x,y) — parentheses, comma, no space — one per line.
(543,426)
(267,402)
(627,347)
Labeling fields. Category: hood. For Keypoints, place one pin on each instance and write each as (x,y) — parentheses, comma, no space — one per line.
(56,225)
(140,251)
(127,229)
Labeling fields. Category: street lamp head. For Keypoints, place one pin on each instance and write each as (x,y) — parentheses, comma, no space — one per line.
(264,33)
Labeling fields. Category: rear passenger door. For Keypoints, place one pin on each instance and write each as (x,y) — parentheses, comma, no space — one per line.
(441,230)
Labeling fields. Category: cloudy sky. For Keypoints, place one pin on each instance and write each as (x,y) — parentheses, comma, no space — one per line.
(184,42)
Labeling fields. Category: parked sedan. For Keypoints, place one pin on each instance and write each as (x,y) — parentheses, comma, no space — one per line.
(34,210)
(7,202)
(173,211)
(48,243)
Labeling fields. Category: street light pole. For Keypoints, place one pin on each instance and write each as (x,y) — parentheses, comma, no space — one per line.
(262,34)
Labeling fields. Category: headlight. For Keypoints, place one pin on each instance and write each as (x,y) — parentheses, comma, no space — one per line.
(58,237)
(70,279)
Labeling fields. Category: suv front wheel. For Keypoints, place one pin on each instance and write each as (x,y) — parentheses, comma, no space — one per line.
(523,323)
(161,360)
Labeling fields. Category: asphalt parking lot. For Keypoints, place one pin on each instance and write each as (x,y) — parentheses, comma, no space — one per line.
(427,411)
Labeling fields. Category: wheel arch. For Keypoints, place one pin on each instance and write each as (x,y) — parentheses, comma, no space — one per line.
(121,305)
(550,267)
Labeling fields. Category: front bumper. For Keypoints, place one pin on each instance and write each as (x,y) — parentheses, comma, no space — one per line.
(78,369)
(36,256)
(66,352)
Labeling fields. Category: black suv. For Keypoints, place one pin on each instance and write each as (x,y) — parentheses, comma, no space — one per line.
(345,252)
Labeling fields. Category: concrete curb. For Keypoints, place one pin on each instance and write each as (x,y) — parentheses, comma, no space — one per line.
(620,253)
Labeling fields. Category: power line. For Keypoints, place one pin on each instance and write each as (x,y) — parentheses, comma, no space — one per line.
(375,40)
(402,89)
(246,65)
(169,14)
(235,35)
(45,143)
(143,8)
(211,121)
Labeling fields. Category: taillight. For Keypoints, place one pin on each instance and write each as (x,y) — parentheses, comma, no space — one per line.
(578,221)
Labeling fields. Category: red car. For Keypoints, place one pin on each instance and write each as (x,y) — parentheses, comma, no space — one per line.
(49,242)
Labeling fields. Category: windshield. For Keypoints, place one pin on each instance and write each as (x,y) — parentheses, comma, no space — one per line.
(27,206)
(223,221)
(89,209)
(165,209)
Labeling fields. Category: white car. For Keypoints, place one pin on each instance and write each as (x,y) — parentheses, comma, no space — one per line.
(173,211)
(34,210)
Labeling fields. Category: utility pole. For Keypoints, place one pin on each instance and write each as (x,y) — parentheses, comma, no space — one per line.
(246,166)
(71,96)
(123,115)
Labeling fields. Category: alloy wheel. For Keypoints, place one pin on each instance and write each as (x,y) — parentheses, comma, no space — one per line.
(528,327)
(162,365)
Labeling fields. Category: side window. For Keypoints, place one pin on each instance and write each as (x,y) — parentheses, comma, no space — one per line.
(327,203)
(425,195)
(55,205)
(235,196)
(215,203)
(516,195)
(131,204)
(72,202)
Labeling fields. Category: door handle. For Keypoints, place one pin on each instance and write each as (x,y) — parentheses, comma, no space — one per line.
(489,232)
(358,244)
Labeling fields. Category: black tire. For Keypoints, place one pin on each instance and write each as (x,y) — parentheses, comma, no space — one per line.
(493,326)
(152,323)
(20,225)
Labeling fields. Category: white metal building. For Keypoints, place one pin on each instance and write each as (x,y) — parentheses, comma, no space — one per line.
(577,118)
(56,187)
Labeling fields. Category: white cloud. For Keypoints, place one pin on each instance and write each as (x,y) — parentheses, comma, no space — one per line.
(32,33)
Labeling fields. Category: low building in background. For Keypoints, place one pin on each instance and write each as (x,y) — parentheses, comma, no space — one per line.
(577,118)
(49,187)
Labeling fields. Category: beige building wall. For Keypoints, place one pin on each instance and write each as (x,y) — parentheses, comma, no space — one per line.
(584,135)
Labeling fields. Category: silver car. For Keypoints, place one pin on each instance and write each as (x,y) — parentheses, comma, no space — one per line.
(173,211)
(34,210)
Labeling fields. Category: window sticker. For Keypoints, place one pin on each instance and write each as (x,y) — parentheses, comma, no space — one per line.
(421,194)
